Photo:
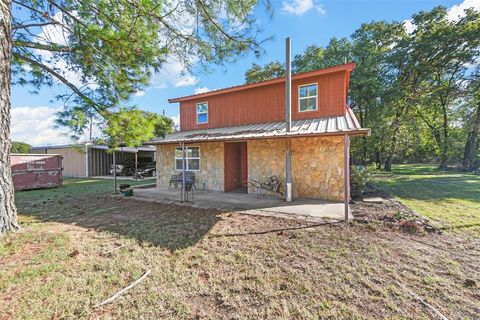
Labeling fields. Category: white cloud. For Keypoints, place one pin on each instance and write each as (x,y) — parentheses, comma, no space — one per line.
(300,7)
(409,27)
(454,13)
(176,122)
(36,126)
(200,90)
(173,73)
(457,11)
(139,93)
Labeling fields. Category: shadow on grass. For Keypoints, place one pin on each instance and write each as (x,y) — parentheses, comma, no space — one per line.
(168,226)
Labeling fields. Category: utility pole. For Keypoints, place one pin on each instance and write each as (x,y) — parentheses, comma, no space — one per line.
(288,121)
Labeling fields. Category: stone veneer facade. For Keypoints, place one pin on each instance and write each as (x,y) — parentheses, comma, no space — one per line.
(210,175)
(317,165)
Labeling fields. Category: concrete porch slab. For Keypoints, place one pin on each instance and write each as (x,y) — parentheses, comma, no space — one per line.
(247,203)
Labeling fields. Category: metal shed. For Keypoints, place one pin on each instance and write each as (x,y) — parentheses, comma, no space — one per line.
(88,160)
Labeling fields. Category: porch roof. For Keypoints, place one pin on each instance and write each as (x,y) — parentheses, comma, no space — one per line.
(307,127)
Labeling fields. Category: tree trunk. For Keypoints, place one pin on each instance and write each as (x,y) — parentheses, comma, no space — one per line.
(472,141)
(378,160)
(444,156)
(8,212)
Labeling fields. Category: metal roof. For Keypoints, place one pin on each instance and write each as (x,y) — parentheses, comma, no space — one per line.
(95,146)
(308,127)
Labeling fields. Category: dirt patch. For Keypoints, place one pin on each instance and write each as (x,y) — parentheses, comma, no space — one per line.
(390,212)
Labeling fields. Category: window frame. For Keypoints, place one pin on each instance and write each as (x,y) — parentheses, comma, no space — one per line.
(308,97)
(187,158)
(197,113)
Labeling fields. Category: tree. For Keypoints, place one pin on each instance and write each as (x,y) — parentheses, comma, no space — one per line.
(269,71)
(8,212)
(472,143)
(442,50)
(20,147)
(104,51)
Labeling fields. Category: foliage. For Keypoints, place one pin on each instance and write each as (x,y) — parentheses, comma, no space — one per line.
(20,147)
(104,51)
(132,127)
(359,178)
(413,88)
(271,70)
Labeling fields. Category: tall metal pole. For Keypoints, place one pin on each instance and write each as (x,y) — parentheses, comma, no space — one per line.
(346,175)
(288,121)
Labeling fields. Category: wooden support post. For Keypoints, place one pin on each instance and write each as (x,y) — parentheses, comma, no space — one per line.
(114,173)
(346,175)
(184,164)
(136,164)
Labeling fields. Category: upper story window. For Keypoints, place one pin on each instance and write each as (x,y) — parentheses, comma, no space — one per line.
(202,112)
(307,97)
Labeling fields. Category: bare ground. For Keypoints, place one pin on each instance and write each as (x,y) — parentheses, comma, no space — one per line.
(211,265)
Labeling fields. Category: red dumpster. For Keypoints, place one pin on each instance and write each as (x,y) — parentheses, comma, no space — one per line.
(33,171)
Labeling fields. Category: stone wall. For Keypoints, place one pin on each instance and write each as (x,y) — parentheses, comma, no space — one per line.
(209,177)
(317,165)
(317,168)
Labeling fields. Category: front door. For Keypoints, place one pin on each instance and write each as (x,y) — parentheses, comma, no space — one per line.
(235,165)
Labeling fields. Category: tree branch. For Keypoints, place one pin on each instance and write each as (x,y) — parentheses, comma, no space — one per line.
(30,25)
(62,79)
(41,46)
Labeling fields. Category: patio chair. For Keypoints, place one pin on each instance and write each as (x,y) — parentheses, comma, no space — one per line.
(177,179)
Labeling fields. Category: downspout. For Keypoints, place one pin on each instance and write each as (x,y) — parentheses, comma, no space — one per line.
(288,122)
(346,175)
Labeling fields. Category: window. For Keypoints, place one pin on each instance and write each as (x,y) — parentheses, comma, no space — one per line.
(307,97)
(202,112)
(192,158)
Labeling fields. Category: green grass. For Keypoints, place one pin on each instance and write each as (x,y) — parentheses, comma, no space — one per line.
(78,246)
(449,198)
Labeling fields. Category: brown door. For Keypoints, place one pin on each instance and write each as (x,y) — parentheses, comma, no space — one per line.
(234,164)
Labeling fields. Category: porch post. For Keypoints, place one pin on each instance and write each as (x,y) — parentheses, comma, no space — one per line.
(346,175)
(114,173)
(183,171)
(288,122)
(136,163)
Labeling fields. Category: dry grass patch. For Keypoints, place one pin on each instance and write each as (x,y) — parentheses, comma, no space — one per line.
(209,265)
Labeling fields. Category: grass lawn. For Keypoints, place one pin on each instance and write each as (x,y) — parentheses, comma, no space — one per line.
(450,199)
(78,246)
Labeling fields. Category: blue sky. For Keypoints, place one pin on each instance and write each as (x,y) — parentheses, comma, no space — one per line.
(305,21)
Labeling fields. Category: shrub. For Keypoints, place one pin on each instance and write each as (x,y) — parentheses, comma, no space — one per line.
(360,177)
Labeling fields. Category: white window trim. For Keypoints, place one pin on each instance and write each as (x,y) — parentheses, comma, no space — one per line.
(309,97)
(186,159)
(196,112)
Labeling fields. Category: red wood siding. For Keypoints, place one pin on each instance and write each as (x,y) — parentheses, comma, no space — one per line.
(267,103)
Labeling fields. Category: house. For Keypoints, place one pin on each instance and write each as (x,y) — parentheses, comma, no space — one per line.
(238,134)
(88,159)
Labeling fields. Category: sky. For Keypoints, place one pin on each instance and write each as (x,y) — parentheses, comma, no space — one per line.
(307,22)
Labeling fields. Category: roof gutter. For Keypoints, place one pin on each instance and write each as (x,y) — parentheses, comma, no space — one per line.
(358,132)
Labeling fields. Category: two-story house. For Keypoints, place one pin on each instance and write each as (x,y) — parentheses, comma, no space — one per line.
(238,134)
